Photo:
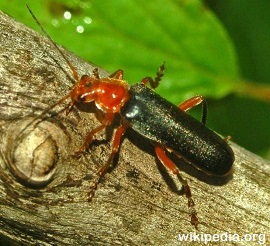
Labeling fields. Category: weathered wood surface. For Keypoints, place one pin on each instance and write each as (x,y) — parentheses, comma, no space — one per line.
(136,203)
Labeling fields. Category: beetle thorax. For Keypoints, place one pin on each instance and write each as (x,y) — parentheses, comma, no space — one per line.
(111,95)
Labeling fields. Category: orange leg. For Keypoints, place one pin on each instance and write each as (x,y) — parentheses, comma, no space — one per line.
(89,139)
(102,171)
(116,143)
(108,118)
(118,74)
(165,160)
(192,102)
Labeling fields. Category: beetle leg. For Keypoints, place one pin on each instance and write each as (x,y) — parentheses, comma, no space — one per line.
(116,143)
(167,162)
(192,102)
(102,171)
(108,118)
(88,140)
(155,82)
(118,74)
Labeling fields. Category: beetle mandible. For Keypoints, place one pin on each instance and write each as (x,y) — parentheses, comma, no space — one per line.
(168,127)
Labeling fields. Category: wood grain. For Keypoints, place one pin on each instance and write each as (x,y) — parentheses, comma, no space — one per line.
(137,203)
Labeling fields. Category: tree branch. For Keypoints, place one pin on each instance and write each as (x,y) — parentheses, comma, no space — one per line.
(44,190)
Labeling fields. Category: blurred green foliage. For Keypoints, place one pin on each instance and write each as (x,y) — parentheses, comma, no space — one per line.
(247,23)
(137,36)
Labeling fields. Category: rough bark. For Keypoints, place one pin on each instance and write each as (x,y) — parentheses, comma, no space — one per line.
(44,190)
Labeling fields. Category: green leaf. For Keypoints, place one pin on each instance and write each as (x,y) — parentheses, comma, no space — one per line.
(137,36)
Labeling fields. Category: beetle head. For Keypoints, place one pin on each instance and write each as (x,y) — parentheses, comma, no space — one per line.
(85,89)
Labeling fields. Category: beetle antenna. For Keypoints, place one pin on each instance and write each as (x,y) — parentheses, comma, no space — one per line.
(72,68)
(75,74)
(160,74)
(42,116)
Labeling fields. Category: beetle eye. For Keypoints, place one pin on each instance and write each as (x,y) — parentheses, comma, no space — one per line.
(88,84)
(86,81)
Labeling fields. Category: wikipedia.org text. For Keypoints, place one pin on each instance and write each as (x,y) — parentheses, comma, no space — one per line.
(205,238)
